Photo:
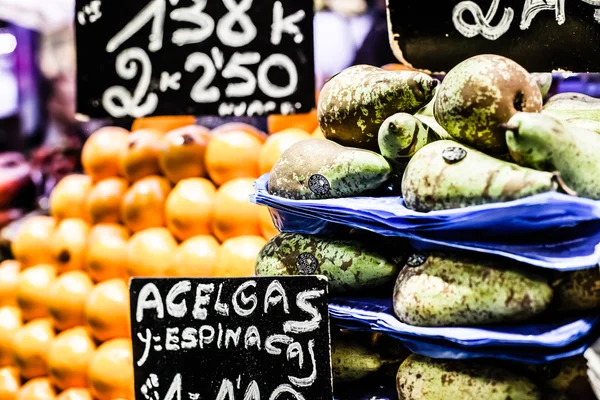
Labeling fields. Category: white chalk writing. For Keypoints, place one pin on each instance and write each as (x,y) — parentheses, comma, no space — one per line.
(483,23)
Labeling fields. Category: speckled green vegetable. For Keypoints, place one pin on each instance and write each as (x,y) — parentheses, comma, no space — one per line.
(401,136)
(350,266)
(431,182)
(479,95)
(545,143)
(354,103)
(578,290)
(322,169)
(450,290)
(351,361)
(421,378)
(573,105)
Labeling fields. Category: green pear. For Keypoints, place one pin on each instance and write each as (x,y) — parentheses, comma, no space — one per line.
(446,174)
(578,290)
(545,143)
(584,123)
(544,81)
(322,169)
(351,266)
(479,95)
(573,105)
(400,137)
(354,103)
(422,378)
(448,290)
(351,360)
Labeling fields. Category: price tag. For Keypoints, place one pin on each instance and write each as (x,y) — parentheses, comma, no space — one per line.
(139,58)
(231,339)
(541,35)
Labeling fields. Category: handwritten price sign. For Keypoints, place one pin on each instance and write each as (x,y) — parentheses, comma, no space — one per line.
(542,35)
(231,339)
(139,58)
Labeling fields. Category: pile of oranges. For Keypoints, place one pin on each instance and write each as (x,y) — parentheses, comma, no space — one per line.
(151,203)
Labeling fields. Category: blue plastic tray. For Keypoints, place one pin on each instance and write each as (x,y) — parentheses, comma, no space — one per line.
(550,230)
(528,343)
(377,315)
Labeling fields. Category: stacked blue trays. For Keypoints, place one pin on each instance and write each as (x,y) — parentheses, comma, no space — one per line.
(550,231)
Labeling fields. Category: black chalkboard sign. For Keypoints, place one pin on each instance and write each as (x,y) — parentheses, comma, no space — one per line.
(138,58)
(541,35)
(231,339)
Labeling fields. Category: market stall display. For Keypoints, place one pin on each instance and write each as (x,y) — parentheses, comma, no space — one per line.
(466,316)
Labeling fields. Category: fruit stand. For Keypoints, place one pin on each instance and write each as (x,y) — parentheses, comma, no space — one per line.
(455,217)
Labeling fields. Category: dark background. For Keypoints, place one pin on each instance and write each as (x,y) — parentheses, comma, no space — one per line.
(429,39)
(96,68)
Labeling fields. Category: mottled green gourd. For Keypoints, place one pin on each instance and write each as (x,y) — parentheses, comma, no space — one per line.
(400,137)
(451,290)
(350,266)
(573,105)
(545,143)
(480,94)
(446,175)
(578,290)
(354,103)
(422,378)
(351,361)
(322,169)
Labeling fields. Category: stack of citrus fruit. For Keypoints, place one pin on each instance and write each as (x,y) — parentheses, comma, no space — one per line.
(149,204)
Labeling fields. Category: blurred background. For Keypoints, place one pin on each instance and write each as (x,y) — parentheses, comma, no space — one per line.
(40,136)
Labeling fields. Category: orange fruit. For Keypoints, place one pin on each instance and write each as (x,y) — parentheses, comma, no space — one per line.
(307,122)
(107,252)
(9,277)
(69,357)
(318,134)
(111,371)
(233,152)
(31,344)
(189,207)
(32,290)
(75,394)
(267,227)
(10,323)
(31,244)
(37,389)
(143,204)
(102,150)
(150,252)
(276,144)
(103,203)
(396,67)
(67,199)
(197,256)
(233,213)
(164,123)
(69,243)
(141,157)
(182,151)
(107,310)
(237,256)
(67,298)
(9,383)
